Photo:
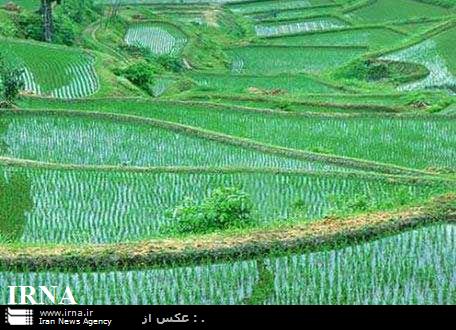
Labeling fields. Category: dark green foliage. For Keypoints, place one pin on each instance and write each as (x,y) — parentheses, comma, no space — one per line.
(141,73)
(78,11)
(15,201)
(66,31)
(223,209)
(29,25)
(10,82)
(185,84)
(170,63)
(70,18)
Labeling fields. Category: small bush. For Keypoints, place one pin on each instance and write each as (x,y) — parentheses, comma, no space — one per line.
(11,82)
(142,74)
(170,63)
(223,209)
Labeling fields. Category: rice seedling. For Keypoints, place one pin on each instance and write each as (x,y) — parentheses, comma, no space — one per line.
(444,41)
(295,14)
(416,267)
(164,2)
(213,284)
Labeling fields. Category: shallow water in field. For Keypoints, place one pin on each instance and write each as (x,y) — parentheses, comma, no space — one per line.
(106,207)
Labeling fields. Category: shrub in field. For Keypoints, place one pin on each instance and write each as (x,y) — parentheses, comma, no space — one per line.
(170,63)
(10,82)
(15,201)
(140,73)
(361,203)
(225,208)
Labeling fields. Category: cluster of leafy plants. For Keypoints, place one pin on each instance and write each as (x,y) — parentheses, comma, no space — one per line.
(363,203)
(10,82)
(225,208)
(144,72)
(69,19)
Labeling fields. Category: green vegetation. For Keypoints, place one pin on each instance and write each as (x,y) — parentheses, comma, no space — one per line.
(224,208)
(229,151)
(278,83)
(10,83)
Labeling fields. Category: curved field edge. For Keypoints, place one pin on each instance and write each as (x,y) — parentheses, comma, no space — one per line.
(366,176)
(329,233)
(348,162)
(198,99)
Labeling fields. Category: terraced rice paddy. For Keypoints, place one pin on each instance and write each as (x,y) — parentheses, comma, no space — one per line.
(426,53)
(396,140)
(102,207)
(311,25)
(164,2)
(381,10)
(265,6)
(401,141)
(57,72)
(279,16)
(85,141)
(371,38)
(416,267)
(159,38)
(443,41)
(293,84)
(290,59)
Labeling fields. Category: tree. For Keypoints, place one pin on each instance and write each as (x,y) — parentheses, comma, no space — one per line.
(48,20)
(11,82)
